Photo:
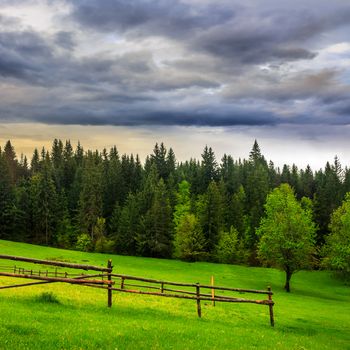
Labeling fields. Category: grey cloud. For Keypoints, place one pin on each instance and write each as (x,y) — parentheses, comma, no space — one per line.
(236,33)
(342,108)
(155,17)
(65,40)
(100,115)
(26,44)
(214,78)
(247,43)
(322,85)
(23,55)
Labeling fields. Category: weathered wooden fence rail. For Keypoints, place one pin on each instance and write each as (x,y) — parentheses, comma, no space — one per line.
(110,281)
(195,294)
(46,276)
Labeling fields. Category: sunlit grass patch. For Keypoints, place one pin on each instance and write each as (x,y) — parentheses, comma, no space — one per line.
(315,315)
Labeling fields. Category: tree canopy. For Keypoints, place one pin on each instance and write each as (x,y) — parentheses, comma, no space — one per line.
(286,233)
(337,247)
(204,208)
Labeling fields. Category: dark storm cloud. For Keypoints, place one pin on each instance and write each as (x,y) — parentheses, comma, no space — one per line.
(235,33)
(22,54)
(33,58)
(148,17)
(162,62)
(100,115)
(266,37)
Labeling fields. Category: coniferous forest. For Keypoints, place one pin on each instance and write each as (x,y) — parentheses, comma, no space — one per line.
(204,209)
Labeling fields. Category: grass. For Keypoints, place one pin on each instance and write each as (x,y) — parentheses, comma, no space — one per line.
(315,315)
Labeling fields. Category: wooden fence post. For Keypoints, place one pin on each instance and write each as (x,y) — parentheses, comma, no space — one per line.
(122,283)
(199,311)
(272,320)
(109,276)
(213,290)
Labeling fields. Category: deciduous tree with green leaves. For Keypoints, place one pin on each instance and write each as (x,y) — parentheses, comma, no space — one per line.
(337,247)
(287,233)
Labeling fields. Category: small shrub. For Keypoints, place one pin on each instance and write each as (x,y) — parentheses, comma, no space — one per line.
(104,245)
(84,243)
(47,297)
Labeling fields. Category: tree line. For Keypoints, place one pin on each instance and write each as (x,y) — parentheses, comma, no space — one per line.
(194,210)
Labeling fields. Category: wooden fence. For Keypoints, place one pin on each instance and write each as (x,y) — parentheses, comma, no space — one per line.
(110,281)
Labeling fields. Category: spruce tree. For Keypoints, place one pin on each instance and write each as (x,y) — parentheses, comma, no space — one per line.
(90,198)
(6,199)
(210,214)
(209,168)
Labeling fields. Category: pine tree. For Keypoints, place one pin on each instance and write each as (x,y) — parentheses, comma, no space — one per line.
(256,190)
(229,172)
(6,200)
(210,214)
(307,184)
(127,222)
(328,196)
(209,168)
(255,155)
(156,238)
(113,182)
(10,158)
(170,164)
(34,164)
(44,199)
(158,158)
(90,199)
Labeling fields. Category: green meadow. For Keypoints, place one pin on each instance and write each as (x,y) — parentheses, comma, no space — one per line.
(315,315)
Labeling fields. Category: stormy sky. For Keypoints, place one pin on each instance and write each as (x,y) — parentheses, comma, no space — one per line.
(190,73)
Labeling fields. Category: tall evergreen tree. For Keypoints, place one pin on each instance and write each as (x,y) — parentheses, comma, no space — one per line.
(34,164)
(328,196)
(6,199)
(44,199)
(210,214)
(10,158)
(156,236)
(209,168)
(126,225)
(90,199)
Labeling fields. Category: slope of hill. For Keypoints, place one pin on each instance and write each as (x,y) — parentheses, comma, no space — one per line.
(316,315)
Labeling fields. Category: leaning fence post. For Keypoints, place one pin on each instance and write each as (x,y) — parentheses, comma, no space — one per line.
(272,320)
(199,311)
(109,276)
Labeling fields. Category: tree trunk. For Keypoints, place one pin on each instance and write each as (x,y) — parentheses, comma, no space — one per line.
(288,277)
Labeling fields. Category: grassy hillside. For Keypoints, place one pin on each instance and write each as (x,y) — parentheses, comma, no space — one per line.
(316,315)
